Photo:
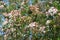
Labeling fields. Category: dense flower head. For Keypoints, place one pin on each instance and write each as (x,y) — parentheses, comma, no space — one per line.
(52,11)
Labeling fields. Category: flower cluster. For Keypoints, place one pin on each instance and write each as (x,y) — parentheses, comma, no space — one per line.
(52,11)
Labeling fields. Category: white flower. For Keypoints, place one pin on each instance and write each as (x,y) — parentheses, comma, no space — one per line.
(32,24)
(2,6)
(52,11)
(44,31)
(47,22)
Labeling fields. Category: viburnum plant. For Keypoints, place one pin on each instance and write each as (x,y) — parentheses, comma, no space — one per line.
(29,23)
